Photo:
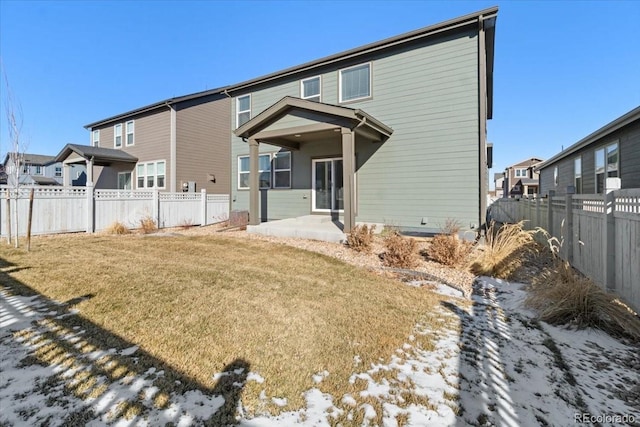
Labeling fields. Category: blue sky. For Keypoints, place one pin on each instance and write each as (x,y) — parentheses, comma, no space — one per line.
(562,69)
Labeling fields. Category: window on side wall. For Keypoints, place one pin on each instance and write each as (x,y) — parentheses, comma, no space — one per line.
(38,170)
(58,172)
(310,89)
(577,174)
(612,161)
(151,174)
(282,170)
(355,83)
(555,176)
(130,127)
(124,181)
(600,170)
(521,173)
(264,169)
(117,135)
(95,138)
(243,110)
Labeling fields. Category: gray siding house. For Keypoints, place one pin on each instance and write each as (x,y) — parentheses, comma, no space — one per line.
(179,144)
(612,151)
(37,169)
(393,132)
(522,179)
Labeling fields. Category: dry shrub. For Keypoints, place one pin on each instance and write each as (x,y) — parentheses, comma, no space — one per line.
(361,238)
(186,224)
(504,251)
(561,296)
(448,248)
(148,225)
(400,251)
(117,228)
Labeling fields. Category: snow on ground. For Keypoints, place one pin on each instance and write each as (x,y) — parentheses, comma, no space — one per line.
(497,367)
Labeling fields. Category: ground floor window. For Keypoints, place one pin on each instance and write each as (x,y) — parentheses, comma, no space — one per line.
(274,170)
(151,174)
(124,181)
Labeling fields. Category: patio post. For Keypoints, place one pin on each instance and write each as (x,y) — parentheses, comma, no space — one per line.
(348,170)
(254,182)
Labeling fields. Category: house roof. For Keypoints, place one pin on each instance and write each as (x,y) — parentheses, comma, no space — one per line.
(32,159)
(622,121)
(527,163)
(288,103)
(498,175)
(100,155)
(486,17)
(44,180)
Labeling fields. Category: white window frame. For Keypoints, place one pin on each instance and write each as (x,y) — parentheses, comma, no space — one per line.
(238,111)
(610,148)
(132,133)
(368,64)
(556,176)
(130,180)
(521,173)
(57,172)
(260,171)
(95,138)
(145,168)
(117,133)
(274,171)
(312,97)
(577,174)
(38,170)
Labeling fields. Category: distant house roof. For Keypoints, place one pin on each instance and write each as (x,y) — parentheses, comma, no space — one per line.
(104,156)
(527,162)
(620,122)
(44,180)
(498,175)
(32,159)
(486,17)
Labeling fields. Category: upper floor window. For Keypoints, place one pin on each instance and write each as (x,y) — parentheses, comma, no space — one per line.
(555,176)
(117,135)
(521,173)
(95,138)
(577,174)
(243,110)
(25,168)
(38,170)
(58,172)
(310,89)
(129,128)
(355,83)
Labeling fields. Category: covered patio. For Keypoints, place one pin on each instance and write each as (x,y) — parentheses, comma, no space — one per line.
(293,123)
(122,163)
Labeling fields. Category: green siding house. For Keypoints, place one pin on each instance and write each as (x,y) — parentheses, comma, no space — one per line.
(393,132)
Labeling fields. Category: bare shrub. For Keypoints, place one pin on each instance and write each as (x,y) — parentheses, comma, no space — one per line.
(148,225)
(186,224)
(504,251)
(361,238)
(117,228)
(561,296)
(448,248)
(400,251)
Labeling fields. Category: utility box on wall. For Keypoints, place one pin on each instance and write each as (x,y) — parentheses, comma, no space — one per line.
(189,186)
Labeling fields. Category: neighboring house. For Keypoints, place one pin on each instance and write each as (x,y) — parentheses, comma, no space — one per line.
(521,179)
(179,144)
(609,157)
(393,132)
(35,169)
(498,181)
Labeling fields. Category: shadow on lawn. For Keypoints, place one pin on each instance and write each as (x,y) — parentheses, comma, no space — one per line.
(86,361)
(484,381)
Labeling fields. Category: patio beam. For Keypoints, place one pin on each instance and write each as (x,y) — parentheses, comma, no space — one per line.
(348,170)
(254,182)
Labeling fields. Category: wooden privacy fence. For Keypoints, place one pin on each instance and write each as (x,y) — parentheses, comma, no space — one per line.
(599,234)
(73,209)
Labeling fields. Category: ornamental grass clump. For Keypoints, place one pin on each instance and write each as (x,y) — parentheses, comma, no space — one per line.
(448,248)
(148,225)
(360,238)
(562,296)
(505,250)
(117,227)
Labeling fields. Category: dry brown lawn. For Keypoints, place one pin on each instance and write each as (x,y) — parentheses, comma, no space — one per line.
(199,304)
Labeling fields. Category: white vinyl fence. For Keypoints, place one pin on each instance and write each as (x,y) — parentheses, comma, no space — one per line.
(73,209)
(599,234)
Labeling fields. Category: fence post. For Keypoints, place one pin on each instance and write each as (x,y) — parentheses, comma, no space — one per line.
(203,207)
(155,208)
(90,207)
(568,211)
(608,240)
(537,211)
